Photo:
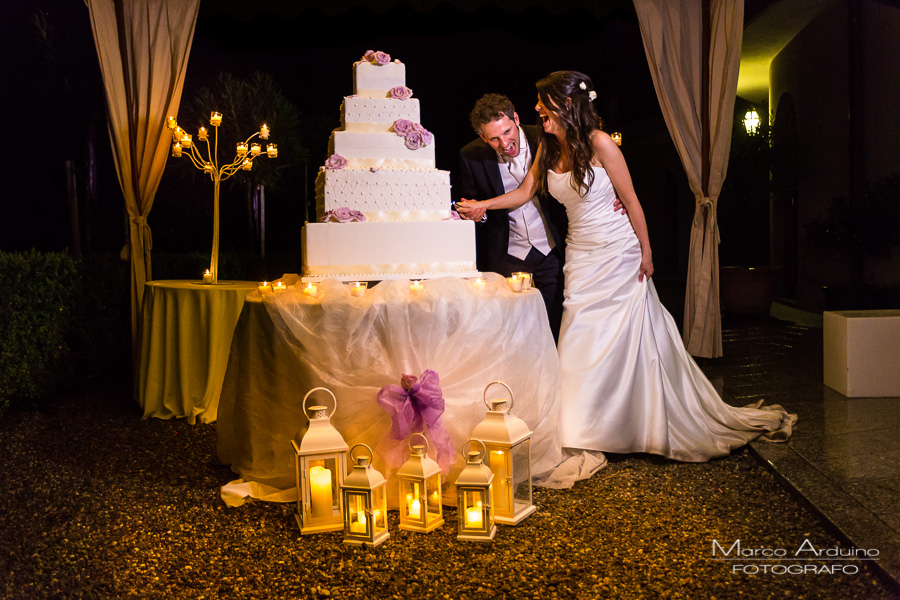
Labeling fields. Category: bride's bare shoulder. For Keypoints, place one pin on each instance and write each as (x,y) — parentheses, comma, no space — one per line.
(602,145)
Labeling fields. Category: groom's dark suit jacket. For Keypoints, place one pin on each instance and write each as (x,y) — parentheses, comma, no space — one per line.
(480,179)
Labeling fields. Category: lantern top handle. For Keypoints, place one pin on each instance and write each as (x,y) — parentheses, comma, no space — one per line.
(371,456)
(473,441)
(424,440)
(507,389)
(309,393)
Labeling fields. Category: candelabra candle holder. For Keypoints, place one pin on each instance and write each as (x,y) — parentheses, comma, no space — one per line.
(183,144)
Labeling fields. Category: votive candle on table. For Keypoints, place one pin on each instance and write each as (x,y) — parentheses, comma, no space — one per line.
(264,287)
(416,286)
(514,282)
(311,289)
(525,278)
(358,288)
(207,277)
(279,286)
(478,283)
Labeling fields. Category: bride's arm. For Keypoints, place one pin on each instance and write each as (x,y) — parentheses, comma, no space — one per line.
(609,155)
(513,199)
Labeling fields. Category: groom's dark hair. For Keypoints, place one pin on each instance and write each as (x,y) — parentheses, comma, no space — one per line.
(489,108)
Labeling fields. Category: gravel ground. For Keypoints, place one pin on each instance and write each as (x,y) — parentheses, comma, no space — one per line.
(100,504)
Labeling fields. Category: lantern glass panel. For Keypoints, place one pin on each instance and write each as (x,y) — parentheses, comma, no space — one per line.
(499,462)
(379,512)
(473,510)
(521,474)
(413,503)
(356,514)
(432,503)
(324,488)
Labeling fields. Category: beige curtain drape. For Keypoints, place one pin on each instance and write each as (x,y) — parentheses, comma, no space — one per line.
(694,51)
(143,47)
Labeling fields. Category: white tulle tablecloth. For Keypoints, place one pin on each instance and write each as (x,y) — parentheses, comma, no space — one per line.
(288,343)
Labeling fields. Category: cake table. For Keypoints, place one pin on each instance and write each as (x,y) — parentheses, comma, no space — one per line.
(288,343)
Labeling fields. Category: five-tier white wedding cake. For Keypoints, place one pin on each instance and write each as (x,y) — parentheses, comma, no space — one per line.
(383,208)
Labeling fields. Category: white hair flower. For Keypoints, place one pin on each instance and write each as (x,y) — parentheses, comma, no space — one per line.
(582,85)
(592,95)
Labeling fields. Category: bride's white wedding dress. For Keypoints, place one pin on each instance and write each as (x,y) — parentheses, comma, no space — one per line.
(628,384)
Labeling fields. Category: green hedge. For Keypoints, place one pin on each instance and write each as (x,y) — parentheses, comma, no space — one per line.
(63,323)
(36,298)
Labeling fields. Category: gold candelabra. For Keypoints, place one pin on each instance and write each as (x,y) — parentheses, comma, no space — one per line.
(245,153)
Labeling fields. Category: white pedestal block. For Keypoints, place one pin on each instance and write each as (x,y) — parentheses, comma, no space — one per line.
(862,352)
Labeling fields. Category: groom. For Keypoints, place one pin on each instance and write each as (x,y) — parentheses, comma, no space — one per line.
(530,238)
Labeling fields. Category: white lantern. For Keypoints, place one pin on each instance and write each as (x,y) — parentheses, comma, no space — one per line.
(508,442)
(321,465)
(474,515)
(420,490)
(365,502)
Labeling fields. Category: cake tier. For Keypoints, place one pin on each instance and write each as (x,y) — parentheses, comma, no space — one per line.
(375,81)
(376,115)
(367,150)
(386,194)
(367,251)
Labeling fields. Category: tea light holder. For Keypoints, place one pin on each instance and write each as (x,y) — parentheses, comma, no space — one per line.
(420,490)
(514,283)
(279,286)
(358,288)
(311,289)
(321,465)
(416,286)
(365,502)
(264,287)
(207,277)
(525,278)
(507,440)
(478,283)
(474,515)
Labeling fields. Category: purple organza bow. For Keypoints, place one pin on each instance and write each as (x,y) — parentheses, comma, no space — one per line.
(416,405)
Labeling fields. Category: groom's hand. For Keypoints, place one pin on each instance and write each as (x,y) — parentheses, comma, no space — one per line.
(617,206)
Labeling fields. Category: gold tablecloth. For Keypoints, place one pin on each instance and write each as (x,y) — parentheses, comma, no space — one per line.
(185,340)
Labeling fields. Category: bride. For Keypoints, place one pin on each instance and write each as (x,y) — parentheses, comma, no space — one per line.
(628,384)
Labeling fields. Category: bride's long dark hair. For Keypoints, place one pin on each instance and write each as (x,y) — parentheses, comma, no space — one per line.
(579,120)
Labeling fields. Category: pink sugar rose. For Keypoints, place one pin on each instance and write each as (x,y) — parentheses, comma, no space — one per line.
(380,58)
(402,127)
(368,55)
(358,216)
(401,92)
(342,215)
(414,140)
(336,162)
